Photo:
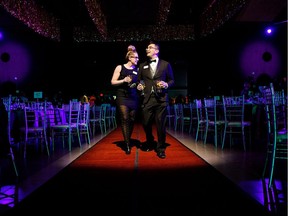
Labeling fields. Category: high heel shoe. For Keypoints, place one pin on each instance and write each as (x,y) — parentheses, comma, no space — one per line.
(128,149)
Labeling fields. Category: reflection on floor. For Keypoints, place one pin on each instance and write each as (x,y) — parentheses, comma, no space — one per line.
(243,168)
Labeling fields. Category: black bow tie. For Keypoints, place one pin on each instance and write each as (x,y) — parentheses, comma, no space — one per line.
(152,61)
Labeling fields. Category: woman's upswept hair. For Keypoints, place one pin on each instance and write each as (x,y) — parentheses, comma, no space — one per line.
(131,51)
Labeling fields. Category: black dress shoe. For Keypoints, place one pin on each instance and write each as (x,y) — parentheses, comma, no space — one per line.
(148,146)
(161,155)
(128,149)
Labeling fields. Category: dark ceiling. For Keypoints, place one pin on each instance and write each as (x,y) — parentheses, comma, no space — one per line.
(110,20)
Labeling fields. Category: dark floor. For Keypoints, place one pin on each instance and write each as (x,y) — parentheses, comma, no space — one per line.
(243,168)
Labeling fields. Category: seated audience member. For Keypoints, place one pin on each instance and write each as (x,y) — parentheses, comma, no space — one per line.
(84,99)
(92,100)
(58,99)
(247,90)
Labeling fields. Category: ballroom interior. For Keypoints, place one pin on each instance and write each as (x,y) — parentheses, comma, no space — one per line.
(71,47)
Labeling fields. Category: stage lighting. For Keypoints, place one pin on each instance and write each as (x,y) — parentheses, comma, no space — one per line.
(269,31)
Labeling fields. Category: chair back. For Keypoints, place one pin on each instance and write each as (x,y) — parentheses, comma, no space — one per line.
(179,120)
(202,121)
(170,117)
(113,113)
(84,114)
(103,109)
(188,116)
(277,148)
(67,123)
(7,103)
(110,116)
(234,117)
(74,113)
(84,119)
(214,118)
(210,109)
(98,117)
(233,108)
(35,125)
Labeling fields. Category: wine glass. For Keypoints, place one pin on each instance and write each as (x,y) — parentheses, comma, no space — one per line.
(130,83)
(143,84)
(158,86)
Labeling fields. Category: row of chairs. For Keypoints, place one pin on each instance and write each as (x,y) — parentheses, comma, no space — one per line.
(74,121)
(42,125)
(226,117)
(78,120)
(211,116)
(104,117)
(217,117)
(222,118)
(181,116)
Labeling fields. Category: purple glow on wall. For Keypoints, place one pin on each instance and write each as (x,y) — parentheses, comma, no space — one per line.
(15,62)
(260,57)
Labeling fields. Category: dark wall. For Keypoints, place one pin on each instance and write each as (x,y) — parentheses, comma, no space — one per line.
(210,64)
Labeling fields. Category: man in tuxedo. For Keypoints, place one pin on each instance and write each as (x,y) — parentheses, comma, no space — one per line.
(155,77)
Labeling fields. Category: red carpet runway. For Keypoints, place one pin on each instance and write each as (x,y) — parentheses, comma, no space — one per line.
(106,181)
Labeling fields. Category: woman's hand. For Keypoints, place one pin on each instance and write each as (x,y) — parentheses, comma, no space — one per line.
(140,87)
(127,79)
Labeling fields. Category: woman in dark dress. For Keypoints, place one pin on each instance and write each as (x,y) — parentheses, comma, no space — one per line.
(124,78)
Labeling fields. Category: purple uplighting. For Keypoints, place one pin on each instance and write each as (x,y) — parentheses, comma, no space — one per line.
(1,36)
(259,58)
(15,62)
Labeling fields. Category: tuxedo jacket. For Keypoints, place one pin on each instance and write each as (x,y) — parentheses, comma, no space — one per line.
(163,72)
